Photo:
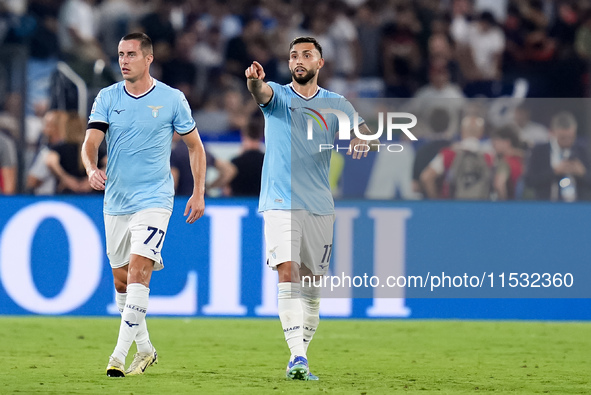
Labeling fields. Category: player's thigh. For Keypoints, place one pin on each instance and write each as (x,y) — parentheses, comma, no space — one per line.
(317,235)
(118,239)
(283,236)
(148,230)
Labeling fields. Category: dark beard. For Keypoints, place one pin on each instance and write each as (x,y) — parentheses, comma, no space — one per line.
(303,80)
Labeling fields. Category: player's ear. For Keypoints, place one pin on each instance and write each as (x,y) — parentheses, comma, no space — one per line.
(149,59)
(320,63)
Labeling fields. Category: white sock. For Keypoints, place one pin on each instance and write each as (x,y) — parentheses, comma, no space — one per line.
(311,308)
(292,317)
(120,300)
(134,313)
(142,340)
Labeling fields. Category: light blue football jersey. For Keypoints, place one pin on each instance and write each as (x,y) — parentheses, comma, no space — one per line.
(295,169)
(139,138)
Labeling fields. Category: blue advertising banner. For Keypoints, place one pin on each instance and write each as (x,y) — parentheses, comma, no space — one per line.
(389,259)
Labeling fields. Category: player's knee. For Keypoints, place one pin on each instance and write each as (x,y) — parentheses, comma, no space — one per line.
(140,273)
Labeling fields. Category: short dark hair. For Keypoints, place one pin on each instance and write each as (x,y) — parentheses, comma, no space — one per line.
(312,40)
(563,120)
(439,120)
(487,17)
(253,131)
(145,42)
(508,132)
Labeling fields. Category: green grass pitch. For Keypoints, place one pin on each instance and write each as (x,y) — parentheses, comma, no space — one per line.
(63,355)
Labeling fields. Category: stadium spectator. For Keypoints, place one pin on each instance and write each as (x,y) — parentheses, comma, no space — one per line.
(538,47)
(115,18)
(480,54)
(213,119)
(440,135)
(238,111)
(259,48)
(401,53)
(249,164)
(391,174)
(180,71)
(462,11)
(208,51)
(208,55)
(8,164)
(237,57)
(40,179)
(533,13)
(219,15)
(441,56)
(515,32)
(530,132)
(439,93)
(63,159)
(497,7)
(343,34)
(33,135)
(138,186)
(465,167)
(583,37)
(43,51)
(564,28)
(368,23)
(508,167)
(77,31)
(157,25)
(558,170)
(180,166)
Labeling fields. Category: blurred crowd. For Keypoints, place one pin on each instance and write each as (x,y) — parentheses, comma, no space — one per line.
(421,50)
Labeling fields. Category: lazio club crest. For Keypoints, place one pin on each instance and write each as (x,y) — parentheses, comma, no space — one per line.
(155,110)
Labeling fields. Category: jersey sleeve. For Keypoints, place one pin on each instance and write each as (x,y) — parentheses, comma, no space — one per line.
(99,114)
(348,109)
(183,121)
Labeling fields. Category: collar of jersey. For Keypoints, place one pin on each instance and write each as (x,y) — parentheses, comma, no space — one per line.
(302,96)
(143,94)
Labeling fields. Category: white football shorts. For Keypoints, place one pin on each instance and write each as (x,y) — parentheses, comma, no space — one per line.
(141,233)
(299,236)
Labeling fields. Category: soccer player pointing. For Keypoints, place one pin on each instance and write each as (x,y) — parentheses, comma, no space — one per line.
(138,117)
(295,198)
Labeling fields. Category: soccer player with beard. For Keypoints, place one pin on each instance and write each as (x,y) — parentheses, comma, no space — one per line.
(295,199)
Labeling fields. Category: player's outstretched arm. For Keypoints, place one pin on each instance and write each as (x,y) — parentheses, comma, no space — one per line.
(196,204)
(90,149)
(259,89)
(358,147)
